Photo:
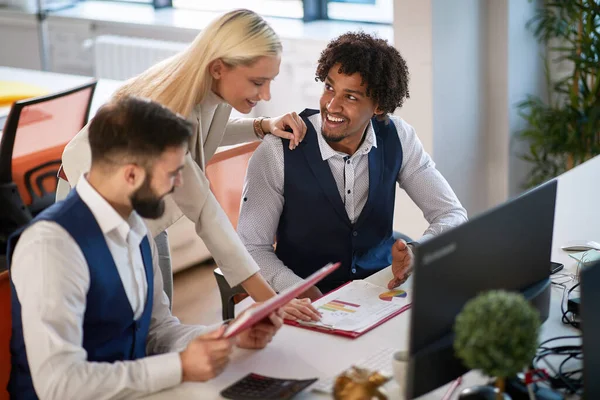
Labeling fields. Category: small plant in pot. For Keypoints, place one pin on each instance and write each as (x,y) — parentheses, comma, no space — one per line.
(497,333)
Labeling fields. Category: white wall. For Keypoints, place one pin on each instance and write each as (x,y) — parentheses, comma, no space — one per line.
(526,76)
(459,98)
(497,123)
(413,38)
(24,27)
(515,69)
(471,62)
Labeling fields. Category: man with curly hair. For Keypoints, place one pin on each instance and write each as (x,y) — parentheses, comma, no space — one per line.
(332,199)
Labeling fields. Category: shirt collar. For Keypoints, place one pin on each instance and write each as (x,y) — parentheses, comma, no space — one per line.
(327,152)
(107,217)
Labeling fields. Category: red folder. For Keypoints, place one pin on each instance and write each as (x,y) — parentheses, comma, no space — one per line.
(349,334)
(256,314)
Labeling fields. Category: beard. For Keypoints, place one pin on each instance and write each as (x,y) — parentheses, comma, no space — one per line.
(147,203)
(331,138)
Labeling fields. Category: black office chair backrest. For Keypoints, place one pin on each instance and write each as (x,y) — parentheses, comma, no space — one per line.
(34,136)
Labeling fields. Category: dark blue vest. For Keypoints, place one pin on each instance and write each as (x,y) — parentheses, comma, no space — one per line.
(110,332)
(314,228)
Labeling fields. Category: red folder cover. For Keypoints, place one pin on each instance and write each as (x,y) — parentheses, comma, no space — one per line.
(256,314)
(349,334)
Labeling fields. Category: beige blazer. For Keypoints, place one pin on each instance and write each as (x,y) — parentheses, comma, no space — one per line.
(194,199)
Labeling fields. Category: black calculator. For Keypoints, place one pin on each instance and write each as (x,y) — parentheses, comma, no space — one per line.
(255,386)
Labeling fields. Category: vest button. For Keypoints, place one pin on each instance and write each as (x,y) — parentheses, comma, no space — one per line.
(353,270)
(355,233)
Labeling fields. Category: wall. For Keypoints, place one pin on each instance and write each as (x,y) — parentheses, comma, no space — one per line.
(413,38)
(23,26)
(459,92)
(471,61)
(515,67)
(496,106)
(526,76)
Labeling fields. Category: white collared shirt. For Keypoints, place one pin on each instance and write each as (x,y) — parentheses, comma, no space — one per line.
(351,173)
(123,239)
(264,198)
(52,279)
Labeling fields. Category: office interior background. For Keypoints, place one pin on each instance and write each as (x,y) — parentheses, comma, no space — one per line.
(471,62)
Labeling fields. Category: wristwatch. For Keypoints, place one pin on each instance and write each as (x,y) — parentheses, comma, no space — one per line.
(258,130)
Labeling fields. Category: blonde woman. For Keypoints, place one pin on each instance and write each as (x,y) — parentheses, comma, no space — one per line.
(230,64)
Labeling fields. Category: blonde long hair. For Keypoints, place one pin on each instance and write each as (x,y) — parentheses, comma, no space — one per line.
(181,82)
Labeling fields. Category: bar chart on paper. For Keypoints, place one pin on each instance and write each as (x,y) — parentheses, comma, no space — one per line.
(339,308)
(357,306)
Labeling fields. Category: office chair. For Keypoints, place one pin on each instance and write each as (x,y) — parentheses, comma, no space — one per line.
(230,296)
(5,333)
(35,134)
(225,172)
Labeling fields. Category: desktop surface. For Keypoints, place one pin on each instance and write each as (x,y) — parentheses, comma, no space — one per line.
(300,353)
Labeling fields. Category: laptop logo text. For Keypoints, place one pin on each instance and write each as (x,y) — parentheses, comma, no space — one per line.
(440,253)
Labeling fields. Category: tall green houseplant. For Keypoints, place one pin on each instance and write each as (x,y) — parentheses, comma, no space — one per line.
(564,128)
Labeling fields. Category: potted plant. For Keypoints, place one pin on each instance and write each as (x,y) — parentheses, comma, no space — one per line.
(497,333)
(564,128)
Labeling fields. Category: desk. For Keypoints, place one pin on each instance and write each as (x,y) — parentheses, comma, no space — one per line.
(300,353)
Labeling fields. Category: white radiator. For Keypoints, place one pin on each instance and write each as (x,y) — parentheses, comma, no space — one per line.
(120,57)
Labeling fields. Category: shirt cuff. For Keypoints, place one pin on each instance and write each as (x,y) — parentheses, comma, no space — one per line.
(423,238)
(164,371)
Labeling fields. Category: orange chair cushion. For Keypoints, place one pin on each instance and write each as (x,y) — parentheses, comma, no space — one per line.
(5,333)
(226,171)
(21,165)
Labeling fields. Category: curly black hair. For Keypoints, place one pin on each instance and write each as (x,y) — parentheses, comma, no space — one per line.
(380,65)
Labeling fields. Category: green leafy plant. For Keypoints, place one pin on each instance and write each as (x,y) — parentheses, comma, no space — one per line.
(497,333)
(564,129)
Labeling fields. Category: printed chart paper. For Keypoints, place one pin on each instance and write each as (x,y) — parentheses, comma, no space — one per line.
(357,306)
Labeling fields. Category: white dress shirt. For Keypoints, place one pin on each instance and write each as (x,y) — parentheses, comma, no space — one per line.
(264,198)
(52,279)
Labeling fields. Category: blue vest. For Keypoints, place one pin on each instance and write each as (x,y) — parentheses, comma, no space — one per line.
(110,332)
(314,228)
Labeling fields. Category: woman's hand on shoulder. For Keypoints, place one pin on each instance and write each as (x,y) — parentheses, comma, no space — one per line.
(282,125)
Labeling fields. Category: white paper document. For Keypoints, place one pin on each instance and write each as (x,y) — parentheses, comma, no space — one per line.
(358,306)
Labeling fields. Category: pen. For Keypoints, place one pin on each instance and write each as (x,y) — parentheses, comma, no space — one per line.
(452,388)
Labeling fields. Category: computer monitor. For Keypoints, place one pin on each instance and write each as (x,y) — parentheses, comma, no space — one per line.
(508,247)
(590,327)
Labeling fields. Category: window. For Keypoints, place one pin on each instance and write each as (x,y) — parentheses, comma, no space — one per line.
(380,11)
(376,11)
(271,8)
